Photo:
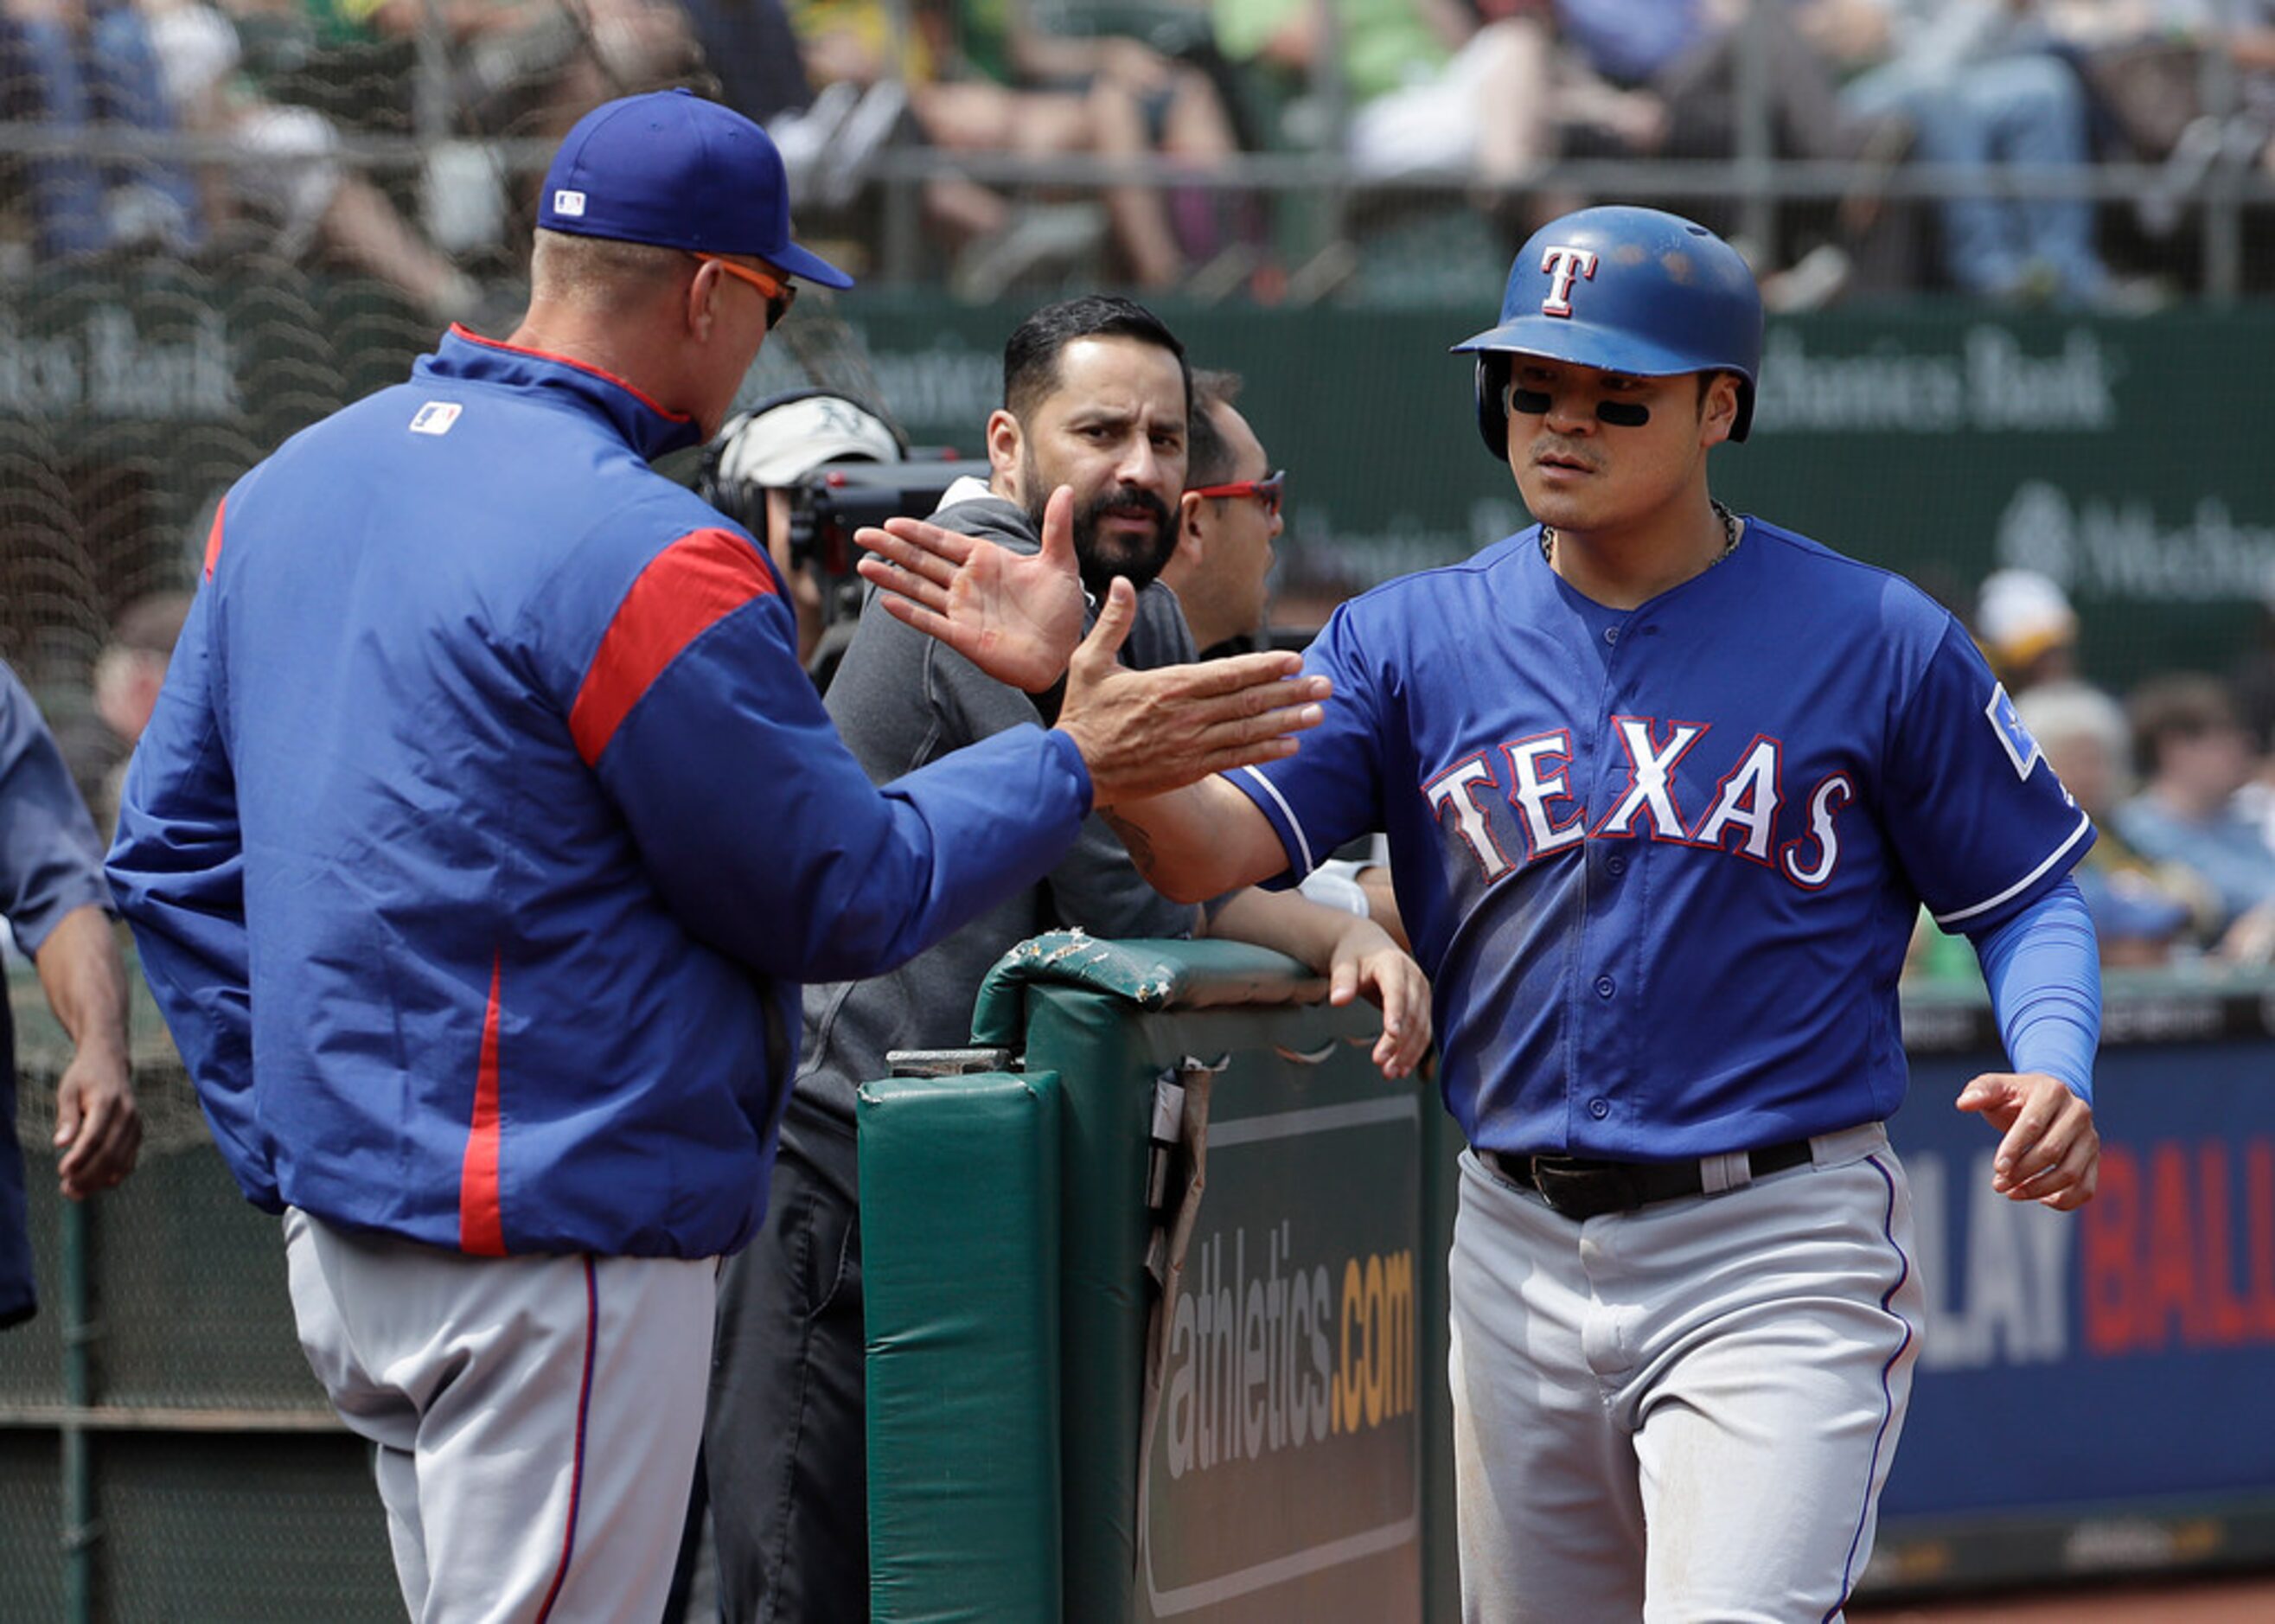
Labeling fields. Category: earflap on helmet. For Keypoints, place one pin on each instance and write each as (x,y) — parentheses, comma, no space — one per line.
(1493,402)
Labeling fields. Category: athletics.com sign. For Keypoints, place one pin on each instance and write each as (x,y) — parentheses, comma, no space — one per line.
(1284,1477)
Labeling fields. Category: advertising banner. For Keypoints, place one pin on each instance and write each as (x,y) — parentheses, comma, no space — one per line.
(2125,1351)
(1938,439)
(1284,1473)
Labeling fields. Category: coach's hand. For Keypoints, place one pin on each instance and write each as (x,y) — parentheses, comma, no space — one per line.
(2052,1152)
(1145,733)
(1015,615)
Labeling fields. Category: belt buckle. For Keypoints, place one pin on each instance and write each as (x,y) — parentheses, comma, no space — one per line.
(1577,1189)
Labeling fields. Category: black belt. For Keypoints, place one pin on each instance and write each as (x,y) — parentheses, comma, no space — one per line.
(1579,1187)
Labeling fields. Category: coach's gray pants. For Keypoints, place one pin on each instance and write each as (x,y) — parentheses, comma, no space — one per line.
(535,1418)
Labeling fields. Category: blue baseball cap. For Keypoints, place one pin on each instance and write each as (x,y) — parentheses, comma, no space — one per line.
(671,169)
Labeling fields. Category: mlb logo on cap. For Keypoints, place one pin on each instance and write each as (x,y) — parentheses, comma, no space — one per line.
(568,204)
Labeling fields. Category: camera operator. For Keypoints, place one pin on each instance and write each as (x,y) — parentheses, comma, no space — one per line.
(803,472)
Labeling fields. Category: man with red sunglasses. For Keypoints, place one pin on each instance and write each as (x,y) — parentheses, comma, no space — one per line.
(1227,520)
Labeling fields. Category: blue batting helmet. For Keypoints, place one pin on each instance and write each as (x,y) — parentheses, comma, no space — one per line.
(1625,290)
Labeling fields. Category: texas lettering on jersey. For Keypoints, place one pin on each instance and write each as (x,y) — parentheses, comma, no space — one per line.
(1513,805)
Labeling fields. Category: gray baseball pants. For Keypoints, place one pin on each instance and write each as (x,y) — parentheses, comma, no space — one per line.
(1684,1412)
(535,1418)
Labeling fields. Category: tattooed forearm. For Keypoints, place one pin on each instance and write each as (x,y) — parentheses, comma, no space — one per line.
(1134,840)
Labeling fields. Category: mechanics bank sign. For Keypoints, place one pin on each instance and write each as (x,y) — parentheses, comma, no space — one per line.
(1987,377)
(1286,1453)
(105,364)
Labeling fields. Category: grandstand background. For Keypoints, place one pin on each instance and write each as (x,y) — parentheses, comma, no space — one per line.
(356,174)
(218,223)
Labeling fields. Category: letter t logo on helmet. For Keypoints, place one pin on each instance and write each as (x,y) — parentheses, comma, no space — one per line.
(1664,296)
(1563,266)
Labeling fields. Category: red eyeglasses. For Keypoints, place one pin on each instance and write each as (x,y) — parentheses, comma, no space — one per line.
(781,293)
(1266,490)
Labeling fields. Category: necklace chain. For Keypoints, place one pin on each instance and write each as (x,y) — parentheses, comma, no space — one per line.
(1731,529)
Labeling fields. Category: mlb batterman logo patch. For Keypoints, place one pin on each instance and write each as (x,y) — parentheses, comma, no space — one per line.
(2006,722)
(435,416)
(568,204)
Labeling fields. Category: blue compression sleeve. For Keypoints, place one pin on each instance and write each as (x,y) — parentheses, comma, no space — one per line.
(2043,970)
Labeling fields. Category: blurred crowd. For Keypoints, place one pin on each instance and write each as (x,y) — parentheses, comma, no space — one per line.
(1468,107)
(2178,775)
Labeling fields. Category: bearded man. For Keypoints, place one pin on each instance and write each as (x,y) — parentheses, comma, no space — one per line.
(1097,398)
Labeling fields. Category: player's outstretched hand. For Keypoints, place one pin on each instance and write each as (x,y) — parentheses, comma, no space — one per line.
(1015,615)
(2051,1153)
(1146,733)
(1367,962)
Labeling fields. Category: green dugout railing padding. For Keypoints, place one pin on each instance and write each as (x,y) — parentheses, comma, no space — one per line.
(959,1218)
(1245,1417)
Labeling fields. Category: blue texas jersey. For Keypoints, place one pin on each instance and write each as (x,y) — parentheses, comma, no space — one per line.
(1662,865)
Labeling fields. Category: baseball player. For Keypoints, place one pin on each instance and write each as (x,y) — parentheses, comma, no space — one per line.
(484,831)
(57,911)
(1664,786)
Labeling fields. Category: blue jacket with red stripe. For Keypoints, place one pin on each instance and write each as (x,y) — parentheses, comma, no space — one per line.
(486,825)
